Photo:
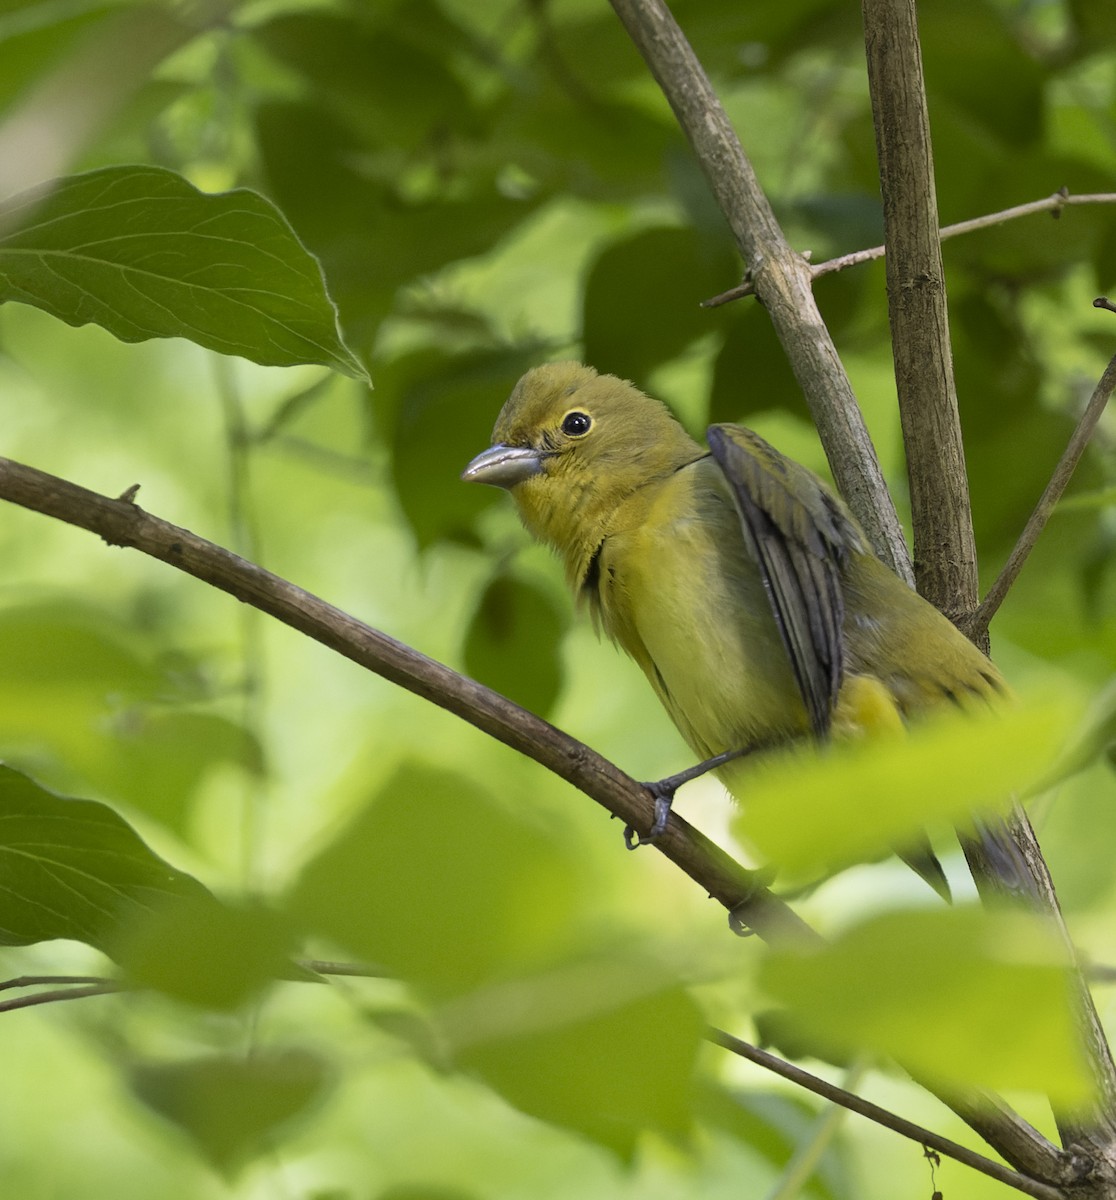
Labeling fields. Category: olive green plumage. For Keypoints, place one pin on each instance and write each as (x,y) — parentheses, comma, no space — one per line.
(736,579)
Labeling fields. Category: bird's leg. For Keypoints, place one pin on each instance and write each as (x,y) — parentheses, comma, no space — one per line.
(662,792)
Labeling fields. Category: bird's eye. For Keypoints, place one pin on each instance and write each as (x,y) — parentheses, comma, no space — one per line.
(576,424)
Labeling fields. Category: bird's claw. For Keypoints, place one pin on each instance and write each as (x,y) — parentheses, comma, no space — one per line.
(664,798)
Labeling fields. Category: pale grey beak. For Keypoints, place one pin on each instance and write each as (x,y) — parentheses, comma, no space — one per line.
(503,466)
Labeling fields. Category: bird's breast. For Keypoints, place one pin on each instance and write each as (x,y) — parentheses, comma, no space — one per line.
(678,591)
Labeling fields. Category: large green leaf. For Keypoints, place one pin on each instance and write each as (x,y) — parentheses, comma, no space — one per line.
(594,1059)
(963,996)
(75,869)
(851,802)
(140,251)
(440,885)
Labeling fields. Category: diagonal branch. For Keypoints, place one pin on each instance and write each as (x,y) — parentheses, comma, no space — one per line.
(123,523)
(882,1116)
(1071,456)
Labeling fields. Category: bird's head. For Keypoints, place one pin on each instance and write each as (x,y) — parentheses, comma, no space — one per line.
(570,445)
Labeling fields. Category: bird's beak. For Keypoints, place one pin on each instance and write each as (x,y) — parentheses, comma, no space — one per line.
(503,466)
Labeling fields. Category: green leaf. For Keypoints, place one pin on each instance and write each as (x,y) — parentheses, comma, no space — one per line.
(675,266)
(773,1125)
(961,996)
(622,1067)
(141,252)
(439,885)
(513,643)
(205,953)
(232,1109)
(855,801)
(75,869)
(443,409)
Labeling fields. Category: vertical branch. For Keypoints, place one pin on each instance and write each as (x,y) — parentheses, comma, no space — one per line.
(781,276)
(944,548)
(945,555)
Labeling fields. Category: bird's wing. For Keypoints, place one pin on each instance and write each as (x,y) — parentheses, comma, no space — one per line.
(799,535)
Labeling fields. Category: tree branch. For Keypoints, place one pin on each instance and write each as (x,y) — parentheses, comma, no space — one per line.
(781,276)
(945,552)
(865,1108)
(120,522)
(977,625)
(944,547)
(1052,204)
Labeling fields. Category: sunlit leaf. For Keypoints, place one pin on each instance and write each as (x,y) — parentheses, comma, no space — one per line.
(233,1108)
(810,812)
(143,253)
(75,869)
(961,996)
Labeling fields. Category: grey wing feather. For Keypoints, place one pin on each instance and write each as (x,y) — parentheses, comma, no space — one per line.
(799,535)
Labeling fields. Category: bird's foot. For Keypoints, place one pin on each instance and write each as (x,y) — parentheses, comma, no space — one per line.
(662,792)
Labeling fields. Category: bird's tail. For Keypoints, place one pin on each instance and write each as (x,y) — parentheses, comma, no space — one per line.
(922,859)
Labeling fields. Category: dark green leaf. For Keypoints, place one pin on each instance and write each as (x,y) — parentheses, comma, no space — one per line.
(75,869)
(627,335)
(233,1109)
(141,252)
(443,409)
(514,641)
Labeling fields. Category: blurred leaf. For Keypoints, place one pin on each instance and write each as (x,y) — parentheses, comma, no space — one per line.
(1096,23)
(158,757)
(233,1109)
(141,252)
(211,955)
(370,240)
(609,1074)
(444,407)
(974,62)
(75,869)
(628,337)
(513,643)
(857,801)
(751,372)
(50,652)
(773,1125)
(439,885)
(377,78)
(965,997)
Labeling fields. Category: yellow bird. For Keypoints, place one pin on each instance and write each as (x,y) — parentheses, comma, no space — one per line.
(737,580)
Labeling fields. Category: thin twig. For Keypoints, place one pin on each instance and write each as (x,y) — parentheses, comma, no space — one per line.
(104,988)
(1052,204)
(321,966)
(22,981)
(121,523)
(883,1116)
(1059,479)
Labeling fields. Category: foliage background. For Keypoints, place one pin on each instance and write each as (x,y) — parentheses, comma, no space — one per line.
(486,186)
